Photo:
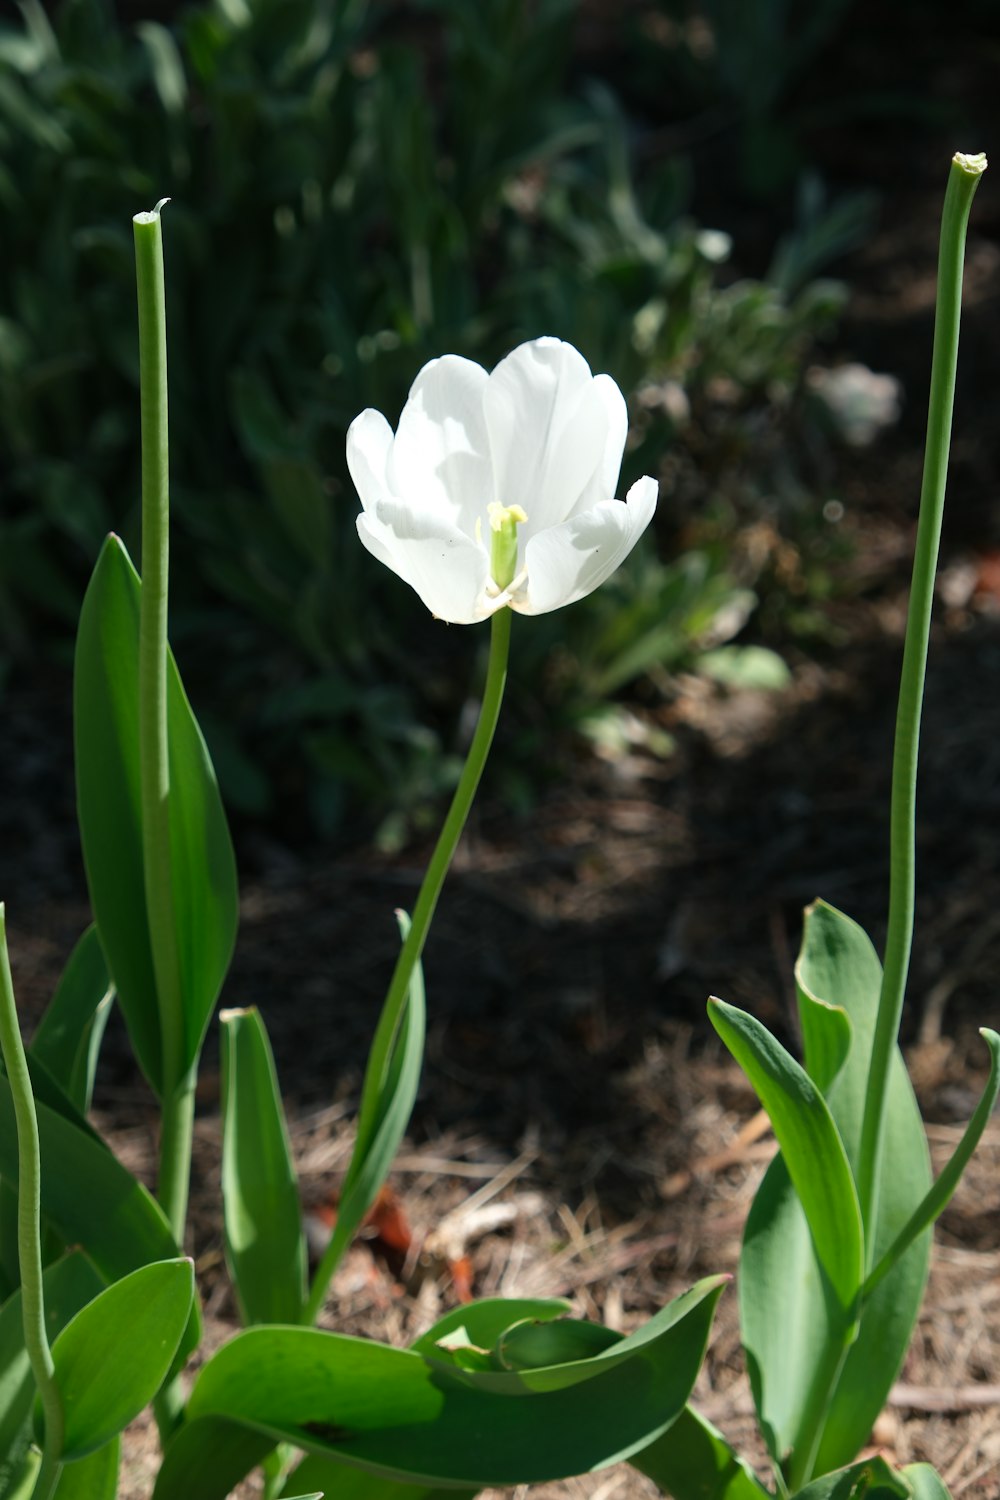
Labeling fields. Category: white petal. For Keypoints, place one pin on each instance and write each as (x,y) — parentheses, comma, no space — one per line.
(446,569)
(440,457)
(548,430)
(604,481)
(571,560)
(369,439)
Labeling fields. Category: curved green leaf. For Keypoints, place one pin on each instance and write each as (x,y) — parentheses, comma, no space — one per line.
(112,1357)
(925,1482)
(207,1457)
(832,961)
(693,1461)
(341,1482)
(92,1478)
(810,1145)
(413,1419)
(853,982)
(871,1479)
(486,1321)
(265,1246)
(788,1319)
(203,869)
(68,1037)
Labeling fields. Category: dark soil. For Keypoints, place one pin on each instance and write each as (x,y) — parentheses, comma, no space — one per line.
(572,1081)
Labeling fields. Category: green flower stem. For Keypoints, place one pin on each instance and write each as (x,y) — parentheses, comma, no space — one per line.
(423,912)
(963,180)
(29,1229)
(177,1082)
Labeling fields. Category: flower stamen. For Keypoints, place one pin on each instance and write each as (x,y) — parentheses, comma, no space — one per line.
(504,521)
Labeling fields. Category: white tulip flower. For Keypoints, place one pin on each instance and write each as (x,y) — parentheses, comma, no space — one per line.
(482,462)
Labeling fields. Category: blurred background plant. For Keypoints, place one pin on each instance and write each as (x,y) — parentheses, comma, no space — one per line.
(357,187)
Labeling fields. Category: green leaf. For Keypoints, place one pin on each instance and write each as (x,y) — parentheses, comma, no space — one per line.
(533,1343)
(208,1456)
(342,1482)
(113,1356)
(791,1326)
(69,1284)
(810,1145)
(486,1321)
(415,1419)
(203,870)
(91,1200)
(692,1461)
(925,1482)
(92,1478)
(265,1246)
(871,1479)
(840,968)
(68,1038)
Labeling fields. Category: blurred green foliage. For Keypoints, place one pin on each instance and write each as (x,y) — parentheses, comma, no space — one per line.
(359,186)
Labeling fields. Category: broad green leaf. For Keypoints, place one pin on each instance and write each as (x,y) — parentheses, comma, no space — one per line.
(533,1343)
(791,1327)
(265,1247)
(208,1456)
(414,1419)
(375,1147)
(342,1482)
(692,1461)
(112,1357)
(925,1482)
(69,1034)
(788,1316)
(871,1479)
(810,1145)
(840,968)
(92,1478)
(203,871)
(91,1200)
(486,1321)
(69,1284)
